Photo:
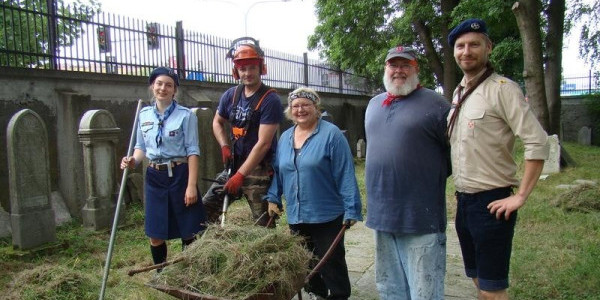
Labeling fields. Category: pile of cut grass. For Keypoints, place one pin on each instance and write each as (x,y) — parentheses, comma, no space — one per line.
(49,281)
(237,262)
(581,198)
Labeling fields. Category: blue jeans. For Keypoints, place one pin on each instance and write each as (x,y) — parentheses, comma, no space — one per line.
(410,266)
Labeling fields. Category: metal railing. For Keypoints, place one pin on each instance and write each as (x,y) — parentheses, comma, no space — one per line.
(39,34)
(580,85)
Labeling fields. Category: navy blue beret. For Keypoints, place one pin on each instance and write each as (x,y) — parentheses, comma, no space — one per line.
(163,71)
(470,25)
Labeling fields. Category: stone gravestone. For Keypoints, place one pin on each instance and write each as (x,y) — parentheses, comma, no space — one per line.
(552,164)
(361,148)
(4,223)
(32,217)
(210,152)
(584,137)
(99,134)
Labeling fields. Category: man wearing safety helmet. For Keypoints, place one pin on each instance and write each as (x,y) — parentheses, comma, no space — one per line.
(253,111)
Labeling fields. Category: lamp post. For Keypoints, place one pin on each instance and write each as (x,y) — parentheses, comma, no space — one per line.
(250,7)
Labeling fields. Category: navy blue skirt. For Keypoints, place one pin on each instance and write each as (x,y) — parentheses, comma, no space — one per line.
(167,217)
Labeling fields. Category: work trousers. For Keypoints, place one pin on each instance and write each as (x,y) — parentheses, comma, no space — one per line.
(332,281)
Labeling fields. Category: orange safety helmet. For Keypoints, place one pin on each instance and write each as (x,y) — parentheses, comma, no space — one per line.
(246,53)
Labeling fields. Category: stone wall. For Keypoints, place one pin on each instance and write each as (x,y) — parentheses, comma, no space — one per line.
(573,117)
(61,98)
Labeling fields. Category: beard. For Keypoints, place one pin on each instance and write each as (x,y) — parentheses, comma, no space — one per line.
(409,85)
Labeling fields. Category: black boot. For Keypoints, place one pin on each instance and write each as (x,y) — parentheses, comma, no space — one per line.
(159,254)
(185,243)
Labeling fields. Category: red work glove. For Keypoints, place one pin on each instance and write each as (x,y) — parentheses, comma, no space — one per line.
(226,153)
(234,183)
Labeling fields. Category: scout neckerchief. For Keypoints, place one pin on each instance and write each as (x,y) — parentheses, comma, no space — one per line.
(391,97)
(161,121)
(462,98)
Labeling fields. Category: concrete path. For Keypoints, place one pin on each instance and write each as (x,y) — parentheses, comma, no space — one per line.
(360,255)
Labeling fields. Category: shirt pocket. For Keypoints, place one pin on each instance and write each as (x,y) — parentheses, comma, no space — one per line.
(147,129)
(474,119)
(173,131)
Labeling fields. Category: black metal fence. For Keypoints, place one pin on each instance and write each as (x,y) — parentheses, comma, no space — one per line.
(580,85)
(40,34)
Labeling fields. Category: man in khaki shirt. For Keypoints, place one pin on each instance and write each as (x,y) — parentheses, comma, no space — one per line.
(488,112)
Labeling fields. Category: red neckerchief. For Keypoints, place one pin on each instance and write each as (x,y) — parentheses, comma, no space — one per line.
(391,97)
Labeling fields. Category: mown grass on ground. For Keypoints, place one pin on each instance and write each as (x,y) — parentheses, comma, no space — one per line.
(556,252)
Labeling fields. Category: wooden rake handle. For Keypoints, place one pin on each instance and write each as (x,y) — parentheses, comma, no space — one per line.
(153,267)
(328,254)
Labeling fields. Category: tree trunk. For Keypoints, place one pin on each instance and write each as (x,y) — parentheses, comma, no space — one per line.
(552,78)
(527,13)
(450,79)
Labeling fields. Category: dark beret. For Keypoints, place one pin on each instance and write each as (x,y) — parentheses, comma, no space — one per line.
(163,71)
(470,25)
(403,52)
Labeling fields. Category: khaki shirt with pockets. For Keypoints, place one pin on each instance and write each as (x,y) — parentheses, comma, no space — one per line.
(484,135)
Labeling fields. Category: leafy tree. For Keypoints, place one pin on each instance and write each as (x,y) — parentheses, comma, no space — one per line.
(529,53)
(31,32)
(356,35)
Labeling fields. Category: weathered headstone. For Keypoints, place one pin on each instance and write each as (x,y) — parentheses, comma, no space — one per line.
(4,223)
(99,134)
(552,164)
(32,217)
(210,152)
(584,137)
(361,148)
(61,212)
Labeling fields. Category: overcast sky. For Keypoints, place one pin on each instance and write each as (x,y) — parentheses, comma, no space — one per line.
(278,24)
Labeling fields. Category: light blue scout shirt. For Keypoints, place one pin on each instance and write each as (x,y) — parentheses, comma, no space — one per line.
(319,183)
(178,137)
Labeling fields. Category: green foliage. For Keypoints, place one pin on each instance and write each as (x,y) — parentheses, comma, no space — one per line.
(589,44)
(348,30)
(357,34)
(30,31)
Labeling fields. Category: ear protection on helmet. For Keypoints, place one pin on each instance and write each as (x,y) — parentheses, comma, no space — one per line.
(246,48)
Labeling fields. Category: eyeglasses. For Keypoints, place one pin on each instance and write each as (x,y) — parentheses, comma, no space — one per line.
(403,67)
(304,106)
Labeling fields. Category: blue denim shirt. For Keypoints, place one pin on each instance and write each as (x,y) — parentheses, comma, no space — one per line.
(318,183)
(179,136)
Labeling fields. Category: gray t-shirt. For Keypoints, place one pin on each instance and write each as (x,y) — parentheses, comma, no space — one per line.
(407,163)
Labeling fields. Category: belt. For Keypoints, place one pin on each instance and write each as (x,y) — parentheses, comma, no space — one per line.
(165,166)
(168,165)
(488,192)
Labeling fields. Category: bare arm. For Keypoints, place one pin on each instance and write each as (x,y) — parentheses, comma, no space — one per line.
(134,160)
(191,192)
(219,129)
(266,132)
(533,169)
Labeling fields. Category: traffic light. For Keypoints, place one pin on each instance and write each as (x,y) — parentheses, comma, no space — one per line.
(152,36)
(103,39)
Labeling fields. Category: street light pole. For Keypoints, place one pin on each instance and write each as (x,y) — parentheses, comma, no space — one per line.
(250,7)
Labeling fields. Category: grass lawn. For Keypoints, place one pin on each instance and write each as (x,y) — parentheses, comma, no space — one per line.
(556,251)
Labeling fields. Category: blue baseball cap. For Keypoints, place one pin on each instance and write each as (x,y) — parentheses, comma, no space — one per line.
(163,71)
(469,25)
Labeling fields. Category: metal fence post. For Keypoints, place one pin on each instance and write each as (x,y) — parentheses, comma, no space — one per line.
(52,38)
(305,56)
(340,80)
(180,50)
